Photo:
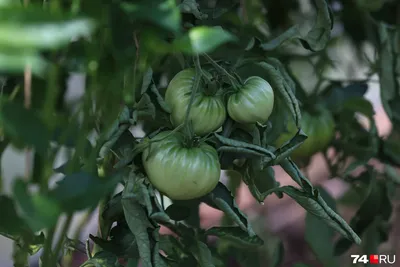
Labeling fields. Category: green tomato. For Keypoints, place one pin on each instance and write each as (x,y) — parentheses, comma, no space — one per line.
(178,171)
(320,129)
(253,102)
(207,112)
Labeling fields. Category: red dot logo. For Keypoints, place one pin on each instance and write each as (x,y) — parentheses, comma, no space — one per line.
(373,259)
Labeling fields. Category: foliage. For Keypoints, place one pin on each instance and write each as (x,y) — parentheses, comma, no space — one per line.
(129,51)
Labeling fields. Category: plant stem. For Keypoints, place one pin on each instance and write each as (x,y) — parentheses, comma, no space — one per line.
(223,71)
(60,242)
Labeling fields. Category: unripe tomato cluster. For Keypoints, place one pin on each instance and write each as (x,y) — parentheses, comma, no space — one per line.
(181,172)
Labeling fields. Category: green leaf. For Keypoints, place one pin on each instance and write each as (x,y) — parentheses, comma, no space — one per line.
(319,235)
(177,212)
(389,84)
(11,223)
(360,105)
(122,242)
(138,208)
(239,146)
(36,28)
(316,39)
(39,211)
(294,172)
(203,39)
(221,198)
(316,205)
(282,87)
(336,96)
(236,236)
(25,125)
(192,7)
(202,254)
(373,238)
(16,62)
(320,34)
(164,14)
(259,179)
(81,190)
(376,203)
(289,34)
(147,78)
(287,148)
(102,259)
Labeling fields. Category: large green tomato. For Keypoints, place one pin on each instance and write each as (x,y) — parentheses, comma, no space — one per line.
(181,172)
(207,112)
(253,102)
(319,127)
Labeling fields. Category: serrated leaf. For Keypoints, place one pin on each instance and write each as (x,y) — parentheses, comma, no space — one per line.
(316,205)
(320,34)
(239,145)
(319,235)
(294,172)
(236,235)
(287,148)
(289,34)
(259,178)
(283,88)
(203,39)
(221,198)
(122,242)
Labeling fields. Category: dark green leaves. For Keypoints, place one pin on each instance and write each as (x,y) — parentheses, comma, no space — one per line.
(203,40)
(231,145)
(164,14)
(38,29)
(25,126)
(236,236)
(11,224)
(319,235)
(317,38)
(388,71)
(81,190)
(221,198)
(39,211)
(318,207)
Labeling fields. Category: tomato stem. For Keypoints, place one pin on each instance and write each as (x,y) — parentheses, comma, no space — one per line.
(223,71)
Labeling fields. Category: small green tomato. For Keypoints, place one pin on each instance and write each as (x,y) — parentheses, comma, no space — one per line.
(178,171)
(253,102)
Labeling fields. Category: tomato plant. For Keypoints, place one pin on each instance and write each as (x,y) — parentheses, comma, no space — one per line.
(181,104)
